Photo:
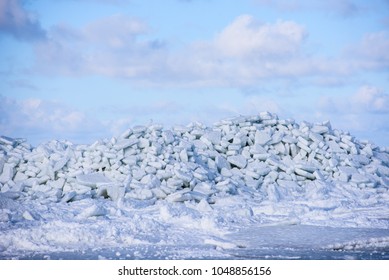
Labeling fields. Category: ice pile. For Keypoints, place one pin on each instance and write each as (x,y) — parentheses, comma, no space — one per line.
(190,186)
(280,159)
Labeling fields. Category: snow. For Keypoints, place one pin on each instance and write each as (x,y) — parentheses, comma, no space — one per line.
(246,187)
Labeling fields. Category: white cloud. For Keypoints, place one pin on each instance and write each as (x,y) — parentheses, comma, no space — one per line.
(244,37)
(371,52)
(366,100)
(116,31)
(18,22)
(343,8)
(110,47)
(244,53)
(23,84)
(41,120)
(365,112)
(371,99)
(114,46)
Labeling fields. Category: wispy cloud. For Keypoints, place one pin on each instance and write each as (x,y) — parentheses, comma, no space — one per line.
(367,99)
(111,46)
(22,84)
(246,52)
(371,99)
(365,112)
(45,120)
(16,21)
(342,8)
(371,53)
(243,51)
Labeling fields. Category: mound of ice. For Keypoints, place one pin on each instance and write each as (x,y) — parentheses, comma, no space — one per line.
(258,167)
(278,158)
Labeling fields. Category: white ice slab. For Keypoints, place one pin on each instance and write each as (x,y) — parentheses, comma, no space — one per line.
(92,179)
(239,161)
(262,137)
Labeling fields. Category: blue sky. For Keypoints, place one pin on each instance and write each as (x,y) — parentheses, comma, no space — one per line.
(89,69)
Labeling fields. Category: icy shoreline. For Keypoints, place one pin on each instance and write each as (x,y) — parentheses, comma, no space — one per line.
(192,185)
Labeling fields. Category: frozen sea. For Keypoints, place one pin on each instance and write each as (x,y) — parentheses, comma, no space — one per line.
(192,231)
(293,242)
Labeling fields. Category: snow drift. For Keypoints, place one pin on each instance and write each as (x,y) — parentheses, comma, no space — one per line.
(166,183)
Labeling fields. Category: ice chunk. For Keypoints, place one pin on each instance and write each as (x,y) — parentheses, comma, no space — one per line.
(280,148)
(273,161)
(197,196)
(57,184)
(20,177)
(289,139)
(176,182)
(143,143)
(304,147)
(383,171)
(320,129)
(126,133)
(205,188)
(258,149)
(226,186)
(60,163)
(316,137)
(221,163)
(184,176)
(252,174)
(180,196)
(304,173)
(156,164)
(112,190)
(359,178)
(262,137)
(239,161)
(360,159)
(214,137)
(123,144)
(349,170)
(204,206)
(69,196)
(168,137)
(318,174)
(263,171)
(28,216)
(273,193)
(159,193)
(184,156)
(92,179)
(92,211)
(139,129)
(335,148)
(306,167)
(151,181)
(7,173)
(201,174)
(141,194)
(138,173)
(7,140)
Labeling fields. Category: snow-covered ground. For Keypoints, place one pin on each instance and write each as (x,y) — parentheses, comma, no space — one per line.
(248,187)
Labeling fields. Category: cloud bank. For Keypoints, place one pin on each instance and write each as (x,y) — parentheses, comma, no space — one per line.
(44,119)
(246,52)
(17,22)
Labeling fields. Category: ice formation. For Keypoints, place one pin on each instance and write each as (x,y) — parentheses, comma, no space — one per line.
(263,168)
